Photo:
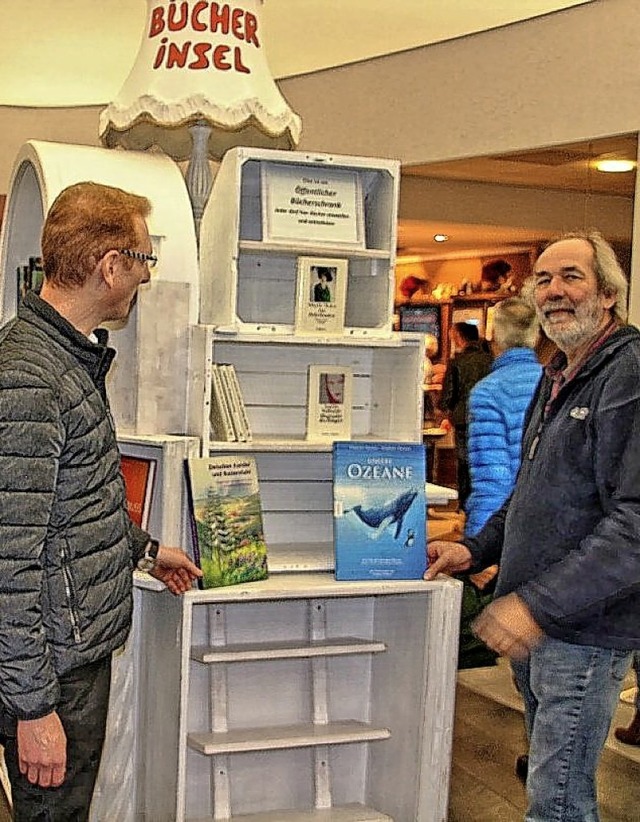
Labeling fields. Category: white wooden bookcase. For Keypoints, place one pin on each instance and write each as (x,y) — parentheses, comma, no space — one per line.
(119,783)
(326,701)
(295,475)
(249,282)
(297,698)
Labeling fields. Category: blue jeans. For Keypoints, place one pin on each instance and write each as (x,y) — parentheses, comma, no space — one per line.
(570,693)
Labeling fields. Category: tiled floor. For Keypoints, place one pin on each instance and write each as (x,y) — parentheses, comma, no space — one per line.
(495,683)
(489,734)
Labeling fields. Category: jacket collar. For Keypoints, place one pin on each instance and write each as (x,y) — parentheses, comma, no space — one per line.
(96,357)
(511,355)
(621,337)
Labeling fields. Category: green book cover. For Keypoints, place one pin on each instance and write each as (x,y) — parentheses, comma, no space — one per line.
(226,520)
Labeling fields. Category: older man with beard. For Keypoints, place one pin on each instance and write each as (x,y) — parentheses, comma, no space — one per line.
(567,606)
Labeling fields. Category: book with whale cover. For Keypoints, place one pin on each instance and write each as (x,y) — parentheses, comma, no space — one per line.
(379,510)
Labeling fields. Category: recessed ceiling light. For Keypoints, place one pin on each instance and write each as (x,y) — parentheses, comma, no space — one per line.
(440,238)
(615,166)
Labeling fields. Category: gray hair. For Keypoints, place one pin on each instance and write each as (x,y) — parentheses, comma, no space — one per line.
(612,281)
(515,324)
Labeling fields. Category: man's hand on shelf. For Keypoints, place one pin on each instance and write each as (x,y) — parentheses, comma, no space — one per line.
(175,569)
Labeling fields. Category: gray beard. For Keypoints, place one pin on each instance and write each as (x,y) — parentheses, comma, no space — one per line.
(584,325)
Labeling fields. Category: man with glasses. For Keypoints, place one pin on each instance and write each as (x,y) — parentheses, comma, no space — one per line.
(567,606)
(67,545)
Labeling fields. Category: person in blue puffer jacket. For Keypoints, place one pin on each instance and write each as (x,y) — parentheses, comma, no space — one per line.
(497,407)
(496,410)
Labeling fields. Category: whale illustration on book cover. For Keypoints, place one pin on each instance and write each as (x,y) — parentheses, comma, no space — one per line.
(380,510)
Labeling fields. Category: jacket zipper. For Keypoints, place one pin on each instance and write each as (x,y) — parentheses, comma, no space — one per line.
(70,598)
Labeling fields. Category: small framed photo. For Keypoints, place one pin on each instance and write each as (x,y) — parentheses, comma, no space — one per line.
(330,390)
(321,291)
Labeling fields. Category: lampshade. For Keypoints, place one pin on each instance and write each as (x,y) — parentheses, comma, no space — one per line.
(200,63)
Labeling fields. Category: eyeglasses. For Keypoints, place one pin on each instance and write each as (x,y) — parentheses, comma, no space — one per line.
(140,256)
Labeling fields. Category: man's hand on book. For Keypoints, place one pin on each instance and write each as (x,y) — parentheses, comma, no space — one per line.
(446,558)
(175,569)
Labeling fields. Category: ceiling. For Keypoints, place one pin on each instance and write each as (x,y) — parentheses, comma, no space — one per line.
(85,50)
(568,167)
(79,52)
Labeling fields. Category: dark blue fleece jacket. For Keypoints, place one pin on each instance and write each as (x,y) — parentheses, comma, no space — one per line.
(568,539)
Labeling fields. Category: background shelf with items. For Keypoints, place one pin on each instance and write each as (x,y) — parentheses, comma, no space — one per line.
(273,373)
(249,276)
(298,673)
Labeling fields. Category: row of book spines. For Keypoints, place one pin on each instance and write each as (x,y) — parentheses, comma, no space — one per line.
(30,277)
(229,419)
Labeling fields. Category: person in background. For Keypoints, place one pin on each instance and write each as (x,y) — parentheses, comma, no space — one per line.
(469,364)
(567,603)
(497,408)
(631,735)
(497,276)
(68,546)
(430,351)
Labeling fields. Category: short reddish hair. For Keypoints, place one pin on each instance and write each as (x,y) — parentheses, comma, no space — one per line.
(85,221)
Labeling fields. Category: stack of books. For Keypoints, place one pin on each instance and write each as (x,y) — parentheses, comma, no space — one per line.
(229,420)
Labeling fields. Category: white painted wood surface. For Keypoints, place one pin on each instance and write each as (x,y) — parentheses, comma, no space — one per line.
(347,813)
(272,372)
(397,690)
(285,650)
(118,783)
(249,285)
(282,738)
(152,345)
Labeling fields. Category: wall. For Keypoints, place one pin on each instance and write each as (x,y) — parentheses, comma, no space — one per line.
(490,204)
(565,77)
(560,78)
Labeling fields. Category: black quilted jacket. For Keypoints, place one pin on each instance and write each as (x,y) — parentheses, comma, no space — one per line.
(67,545)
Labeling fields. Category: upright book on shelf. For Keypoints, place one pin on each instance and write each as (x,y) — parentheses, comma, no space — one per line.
(139,474)
(220,414)
(380,510)
(329,400)
(226,519)
(321,292)
(235,400)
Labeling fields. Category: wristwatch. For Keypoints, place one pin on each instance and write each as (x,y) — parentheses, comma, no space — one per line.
(147,561)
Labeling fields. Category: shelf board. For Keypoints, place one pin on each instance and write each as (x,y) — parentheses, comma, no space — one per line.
(297,250)
(284,444)
(315,585)
(341,813)
(286,650)
(305,735)
(297,557)
(366,338)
